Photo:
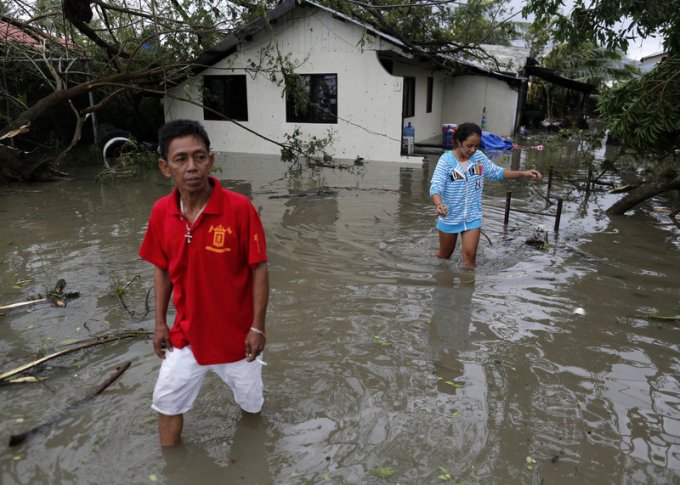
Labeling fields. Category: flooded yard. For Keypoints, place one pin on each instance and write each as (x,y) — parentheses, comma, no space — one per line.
(384,364)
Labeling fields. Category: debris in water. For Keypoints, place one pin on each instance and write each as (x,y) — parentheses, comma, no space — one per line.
(382,472)
(380,341)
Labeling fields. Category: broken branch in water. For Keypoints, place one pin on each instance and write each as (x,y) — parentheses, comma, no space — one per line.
(83,344)
(17,439)
(656,316)
(487,237)
(56,296)
(20,304)
(23,380)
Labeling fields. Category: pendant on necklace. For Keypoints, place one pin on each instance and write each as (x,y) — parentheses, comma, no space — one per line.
(188,235)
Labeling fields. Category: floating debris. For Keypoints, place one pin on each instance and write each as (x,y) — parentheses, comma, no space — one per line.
(382,472)
(380,341)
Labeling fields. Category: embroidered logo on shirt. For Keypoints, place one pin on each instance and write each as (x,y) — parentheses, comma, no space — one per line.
(219,239)
(456,175)
(475,170)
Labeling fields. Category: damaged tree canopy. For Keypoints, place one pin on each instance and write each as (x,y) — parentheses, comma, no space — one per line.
(62,66)
(71,61)
(643,112)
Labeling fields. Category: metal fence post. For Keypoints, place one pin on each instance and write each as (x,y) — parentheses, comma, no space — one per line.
(508,197)
(558,215)
(550,176)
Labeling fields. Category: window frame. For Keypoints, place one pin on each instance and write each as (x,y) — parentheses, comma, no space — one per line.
(232,101)
(408,105)
(316,115)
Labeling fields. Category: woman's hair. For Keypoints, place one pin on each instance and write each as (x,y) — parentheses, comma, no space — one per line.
(180,128)
(464,130)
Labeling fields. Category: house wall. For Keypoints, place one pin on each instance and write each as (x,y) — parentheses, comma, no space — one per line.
(427,125)
(369,98)
(466,96)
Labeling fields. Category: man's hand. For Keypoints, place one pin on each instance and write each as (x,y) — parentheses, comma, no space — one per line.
(161,340)
(255,343)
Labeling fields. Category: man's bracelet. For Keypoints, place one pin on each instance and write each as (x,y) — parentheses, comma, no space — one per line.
(257,330)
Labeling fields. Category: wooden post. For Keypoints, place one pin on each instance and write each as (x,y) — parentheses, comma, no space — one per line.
(550,176)
(558,215)
(508,197)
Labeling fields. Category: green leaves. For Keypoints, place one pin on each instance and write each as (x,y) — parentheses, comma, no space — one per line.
(382,472)
(644,113)
(609,23)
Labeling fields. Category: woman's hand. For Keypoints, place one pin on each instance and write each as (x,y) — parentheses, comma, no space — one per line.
(442,210)
(533,174)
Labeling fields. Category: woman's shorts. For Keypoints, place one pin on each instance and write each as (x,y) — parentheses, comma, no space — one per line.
(458,228)
(180,379)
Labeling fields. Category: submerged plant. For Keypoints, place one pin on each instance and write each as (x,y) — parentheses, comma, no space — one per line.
(296,147)
(382,472)
(539,239)
(129,163)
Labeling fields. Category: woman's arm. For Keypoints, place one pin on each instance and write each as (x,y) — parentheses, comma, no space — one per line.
(439,180)
(523,174)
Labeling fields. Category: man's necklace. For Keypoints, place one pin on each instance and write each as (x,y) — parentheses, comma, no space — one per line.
(188,235)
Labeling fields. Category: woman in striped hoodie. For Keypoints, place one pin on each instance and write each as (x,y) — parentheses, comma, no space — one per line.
(456,191)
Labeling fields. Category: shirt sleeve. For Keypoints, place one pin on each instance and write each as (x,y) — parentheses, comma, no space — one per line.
(257,244)
(439,176)
(490,169)
(152,249)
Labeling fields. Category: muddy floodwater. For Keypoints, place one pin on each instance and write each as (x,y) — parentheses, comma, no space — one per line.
(384,365)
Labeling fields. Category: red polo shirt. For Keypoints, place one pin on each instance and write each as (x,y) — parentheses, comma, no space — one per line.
(211,275)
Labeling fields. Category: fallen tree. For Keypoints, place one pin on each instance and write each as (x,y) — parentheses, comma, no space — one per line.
(641,113)
(666,181)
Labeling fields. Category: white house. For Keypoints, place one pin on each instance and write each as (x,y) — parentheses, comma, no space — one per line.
(647,63)
(364,86)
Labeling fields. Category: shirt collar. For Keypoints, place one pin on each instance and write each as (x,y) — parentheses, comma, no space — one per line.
(213,206)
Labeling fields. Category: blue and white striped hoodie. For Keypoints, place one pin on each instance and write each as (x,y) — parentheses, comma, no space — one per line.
(461,191)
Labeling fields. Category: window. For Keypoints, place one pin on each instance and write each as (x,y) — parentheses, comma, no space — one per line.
(430,89)
(409,102)
(321,105)
(226,95)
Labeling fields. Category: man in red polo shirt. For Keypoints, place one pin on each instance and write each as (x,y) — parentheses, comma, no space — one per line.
(208,249)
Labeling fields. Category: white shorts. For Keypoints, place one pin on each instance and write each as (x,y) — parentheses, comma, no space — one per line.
(181,377)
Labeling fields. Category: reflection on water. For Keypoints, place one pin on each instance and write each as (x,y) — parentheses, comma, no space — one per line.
(452,309)
(190,463)
(385,365)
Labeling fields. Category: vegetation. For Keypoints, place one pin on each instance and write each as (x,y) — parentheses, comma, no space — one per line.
(446,28)
(77,60)
(114,59)
(642,112)
(590,64)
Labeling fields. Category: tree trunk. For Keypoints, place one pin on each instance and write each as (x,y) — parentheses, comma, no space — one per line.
(15,166)
(668,180)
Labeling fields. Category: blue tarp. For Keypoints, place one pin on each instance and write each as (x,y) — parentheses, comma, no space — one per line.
(494,142)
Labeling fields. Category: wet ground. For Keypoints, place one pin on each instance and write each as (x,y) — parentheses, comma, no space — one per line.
(385,365)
